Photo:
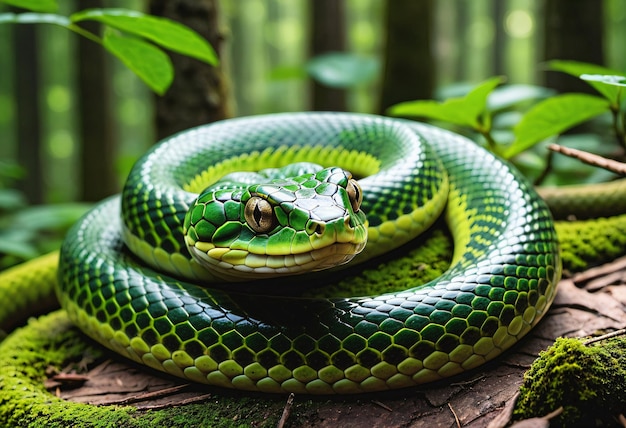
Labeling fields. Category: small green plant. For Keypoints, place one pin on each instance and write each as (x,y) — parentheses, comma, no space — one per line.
(547,118)
(133,37)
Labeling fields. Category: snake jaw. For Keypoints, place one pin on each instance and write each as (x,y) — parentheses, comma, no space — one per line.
(339,242)
(236,265)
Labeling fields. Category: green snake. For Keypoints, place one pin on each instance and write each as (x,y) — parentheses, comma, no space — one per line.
(127,279)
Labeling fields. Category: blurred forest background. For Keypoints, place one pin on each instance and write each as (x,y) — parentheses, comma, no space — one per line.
(73,119)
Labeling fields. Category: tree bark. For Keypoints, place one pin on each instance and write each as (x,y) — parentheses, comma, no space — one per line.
(96,130)
(573,31)
(499,45)
(198,93)
(409,64)
(462,19)
(27,88)
(328,34)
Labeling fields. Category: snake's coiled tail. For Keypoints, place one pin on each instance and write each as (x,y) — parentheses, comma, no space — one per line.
(501,281)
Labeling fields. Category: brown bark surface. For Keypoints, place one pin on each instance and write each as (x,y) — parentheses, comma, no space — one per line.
(198,94)
(98,149)
(409,63)
(28,117)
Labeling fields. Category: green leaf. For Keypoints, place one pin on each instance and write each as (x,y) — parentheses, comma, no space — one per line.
(509,96)
(11,199)
(147,61)
(553,116)
(34,18)
(342,70)
(466,111)
(451,110)
(577,69)
(162,31)
(607,79)
(34,5)
(49,217)
(18,248)
(476,99)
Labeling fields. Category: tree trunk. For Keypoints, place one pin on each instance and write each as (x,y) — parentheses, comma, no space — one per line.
(97,135)
(499,44)
(28,130)
(462,23)
(573,31)
(198,93)
(409,65)
(328,34)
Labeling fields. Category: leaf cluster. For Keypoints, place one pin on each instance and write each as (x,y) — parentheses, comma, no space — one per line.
(30,231)
(546,118)
(137,39)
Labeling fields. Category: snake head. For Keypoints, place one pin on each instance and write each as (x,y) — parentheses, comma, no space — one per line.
(282,227)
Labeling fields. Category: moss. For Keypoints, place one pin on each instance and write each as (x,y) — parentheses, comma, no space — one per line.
(52,341)
(587,243)
(589,382)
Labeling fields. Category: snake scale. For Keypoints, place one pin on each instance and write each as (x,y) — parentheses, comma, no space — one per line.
(501,280)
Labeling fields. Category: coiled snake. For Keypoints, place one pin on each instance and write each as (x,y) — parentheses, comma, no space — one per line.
(165,312)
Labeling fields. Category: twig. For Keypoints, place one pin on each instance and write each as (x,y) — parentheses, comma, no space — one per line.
(384,406)
(491,143)
(617,126)
(547,170)
(163,392)
(605,336)
(70,377)
(456,418)
(286,411)
(600,271)
(591,159)
(469,382)
(191,400)
(554,414)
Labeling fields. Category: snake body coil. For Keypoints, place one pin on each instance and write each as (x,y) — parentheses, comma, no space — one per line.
(501,280)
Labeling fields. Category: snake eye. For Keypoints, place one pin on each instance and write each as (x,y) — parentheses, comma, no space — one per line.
(355,194)
(259,214)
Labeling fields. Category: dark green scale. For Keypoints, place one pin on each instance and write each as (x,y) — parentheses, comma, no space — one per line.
(498,286)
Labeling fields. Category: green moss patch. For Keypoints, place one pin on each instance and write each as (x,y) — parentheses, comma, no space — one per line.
(52,341)
(590,242)
(589,382)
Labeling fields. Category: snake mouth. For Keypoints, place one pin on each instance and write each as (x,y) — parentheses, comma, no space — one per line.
(238,265)
(334,247)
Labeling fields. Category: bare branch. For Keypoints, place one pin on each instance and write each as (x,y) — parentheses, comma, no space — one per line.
(591,159)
